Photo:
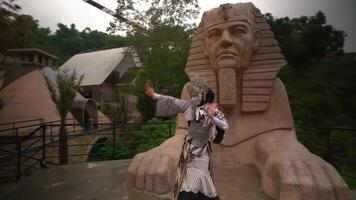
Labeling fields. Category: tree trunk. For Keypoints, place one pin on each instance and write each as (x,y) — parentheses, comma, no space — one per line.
(63,146)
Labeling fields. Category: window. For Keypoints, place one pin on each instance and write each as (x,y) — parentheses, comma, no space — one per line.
(30,57)
(40,59)
(46,61)
(23,57)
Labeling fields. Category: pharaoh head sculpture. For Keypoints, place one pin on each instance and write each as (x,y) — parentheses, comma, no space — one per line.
(230,38)
(235,51)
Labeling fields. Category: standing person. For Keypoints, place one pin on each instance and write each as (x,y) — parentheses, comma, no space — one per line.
(195,179)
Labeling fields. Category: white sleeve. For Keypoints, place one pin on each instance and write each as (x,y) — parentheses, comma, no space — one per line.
(221,123)
(167,105)
(155,96)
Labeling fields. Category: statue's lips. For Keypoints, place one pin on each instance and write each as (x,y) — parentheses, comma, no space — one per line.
(227,54)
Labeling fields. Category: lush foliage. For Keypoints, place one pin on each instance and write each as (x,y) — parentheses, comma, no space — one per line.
(320,89)
(8,19)
(163,46)
(114,113)
(22,31)
(309,38)
(135,138)
(163,66)
(323,95)
(148,14)
(68,41)
(63,92)
(16,30)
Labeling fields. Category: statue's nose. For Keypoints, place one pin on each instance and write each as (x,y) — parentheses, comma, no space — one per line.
(226,39)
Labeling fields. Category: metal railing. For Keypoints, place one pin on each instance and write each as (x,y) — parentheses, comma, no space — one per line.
(18,155)
(23,153)
(40,147)
(19,127)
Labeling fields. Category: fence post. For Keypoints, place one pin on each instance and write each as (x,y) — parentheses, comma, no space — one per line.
(18,160)
(113,139)
(43,143)
(43,163)
(51,125)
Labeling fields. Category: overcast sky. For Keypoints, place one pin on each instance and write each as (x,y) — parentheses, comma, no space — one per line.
(341,14)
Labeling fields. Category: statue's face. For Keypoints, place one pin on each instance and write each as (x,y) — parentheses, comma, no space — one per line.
(229,45)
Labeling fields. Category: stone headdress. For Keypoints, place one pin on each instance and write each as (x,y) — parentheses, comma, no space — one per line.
(267,60)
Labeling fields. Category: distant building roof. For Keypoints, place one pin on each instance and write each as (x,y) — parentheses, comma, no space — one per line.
(98,65)
(33,50)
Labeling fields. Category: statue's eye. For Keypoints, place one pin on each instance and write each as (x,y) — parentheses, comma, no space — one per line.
(238,30)
(213,34)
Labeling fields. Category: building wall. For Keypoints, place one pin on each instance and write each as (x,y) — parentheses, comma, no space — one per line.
(102,94)
(132,114)
(126,63)
(28,98)
(30,58)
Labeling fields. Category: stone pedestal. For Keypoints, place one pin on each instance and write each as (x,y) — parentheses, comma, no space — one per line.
(107,181)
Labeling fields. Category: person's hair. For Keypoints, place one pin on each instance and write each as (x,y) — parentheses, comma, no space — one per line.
(208,97)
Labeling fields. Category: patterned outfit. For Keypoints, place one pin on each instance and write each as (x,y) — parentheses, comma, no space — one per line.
(195,174)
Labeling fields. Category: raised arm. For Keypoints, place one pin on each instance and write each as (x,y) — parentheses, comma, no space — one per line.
(166,105)
(155,170)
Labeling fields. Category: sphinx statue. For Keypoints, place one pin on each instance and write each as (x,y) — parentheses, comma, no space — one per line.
(235,51)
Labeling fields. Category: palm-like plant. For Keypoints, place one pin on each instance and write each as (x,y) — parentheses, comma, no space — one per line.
(63,96)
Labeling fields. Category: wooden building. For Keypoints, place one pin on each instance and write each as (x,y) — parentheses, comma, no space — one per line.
(103,72)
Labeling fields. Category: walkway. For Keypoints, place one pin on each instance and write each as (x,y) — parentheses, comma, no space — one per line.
(106,181)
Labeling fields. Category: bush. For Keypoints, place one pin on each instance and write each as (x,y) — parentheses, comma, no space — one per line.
(136,138)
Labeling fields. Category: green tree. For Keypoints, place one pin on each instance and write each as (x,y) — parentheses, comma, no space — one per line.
(163,46)
(306,39)
(8,14)
(21,31)
(136,140)
(63,94)
(68,41)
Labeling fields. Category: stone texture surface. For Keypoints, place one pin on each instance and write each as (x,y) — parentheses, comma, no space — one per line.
(107,180)
(27,98)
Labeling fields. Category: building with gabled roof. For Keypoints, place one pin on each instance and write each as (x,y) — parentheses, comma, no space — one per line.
(103,72)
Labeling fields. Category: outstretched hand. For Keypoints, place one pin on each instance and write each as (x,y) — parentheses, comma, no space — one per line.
(149,91)
(211,109)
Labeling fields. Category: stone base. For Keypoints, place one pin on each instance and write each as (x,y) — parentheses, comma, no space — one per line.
(88,181)
(107,181)
(238,182)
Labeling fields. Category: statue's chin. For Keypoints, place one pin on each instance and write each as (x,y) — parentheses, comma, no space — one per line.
(227,63)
